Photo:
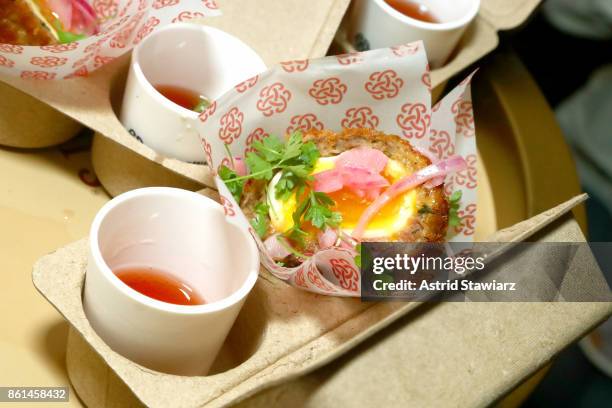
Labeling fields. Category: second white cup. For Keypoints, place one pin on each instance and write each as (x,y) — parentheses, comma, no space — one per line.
(187,235)
(203,60)
(376,24)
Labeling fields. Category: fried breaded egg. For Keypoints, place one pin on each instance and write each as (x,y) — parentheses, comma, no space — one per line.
(390,221)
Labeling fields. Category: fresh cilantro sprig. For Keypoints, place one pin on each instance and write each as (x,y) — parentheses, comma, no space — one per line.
(295,161)
(454,202)
(65,37)
(314,207)
(233,185)
(319,213)
(425,209)
(358,256)
(261,220)
(202,104)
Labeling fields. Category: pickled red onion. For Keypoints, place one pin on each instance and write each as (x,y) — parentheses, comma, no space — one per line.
(328,181)
(63,10)
(84,20)
(362,178)
(363,157)
(434,182)
(275,249)
(327,238)
(442,168)
(433,159)
(358,169)
(358,179)
(240,166)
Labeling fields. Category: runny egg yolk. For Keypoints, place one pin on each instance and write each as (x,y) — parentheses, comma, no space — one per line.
(392,218)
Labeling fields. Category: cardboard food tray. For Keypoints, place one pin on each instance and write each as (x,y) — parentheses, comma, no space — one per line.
(507,194)
(269,27)
(281,332)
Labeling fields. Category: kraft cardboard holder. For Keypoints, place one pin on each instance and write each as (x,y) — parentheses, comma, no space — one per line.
(281,332)
(46,113)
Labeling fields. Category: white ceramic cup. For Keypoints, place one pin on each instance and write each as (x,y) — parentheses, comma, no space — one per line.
(183,233)
(202,59)
(375,24)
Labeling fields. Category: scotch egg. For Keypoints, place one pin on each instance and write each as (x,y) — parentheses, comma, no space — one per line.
(390,221)
(417,215)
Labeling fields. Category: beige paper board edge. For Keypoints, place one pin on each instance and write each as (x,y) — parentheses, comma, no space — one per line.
(329,28)
(507,14)
(301,359)
(524,229)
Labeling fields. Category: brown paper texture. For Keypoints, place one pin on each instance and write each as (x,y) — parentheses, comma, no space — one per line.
(281,333)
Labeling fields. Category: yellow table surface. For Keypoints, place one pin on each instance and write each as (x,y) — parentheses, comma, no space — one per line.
(44,205)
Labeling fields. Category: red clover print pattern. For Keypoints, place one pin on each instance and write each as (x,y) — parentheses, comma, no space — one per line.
(329,91)
(273,99)
(304,123)
(414,120)
(231,126)
(385,84)
(294,66)
(346,273)
(360,117)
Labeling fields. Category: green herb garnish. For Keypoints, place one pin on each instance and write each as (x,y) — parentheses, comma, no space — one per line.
(202,104)
(261,221)
(66,37)
(283,242)
(295,160)
(454,220)
(357,258)
(425,209)
(234,185)
(314,207)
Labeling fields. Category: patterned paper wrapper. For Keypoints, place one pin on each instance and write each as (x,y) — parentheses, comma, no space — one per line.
(387,89)
(124,23)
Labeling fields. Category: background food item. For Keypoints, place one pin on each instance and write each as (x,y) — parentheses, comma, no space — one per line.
(19,25)
(44,22)
(113,30)
(76,19)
